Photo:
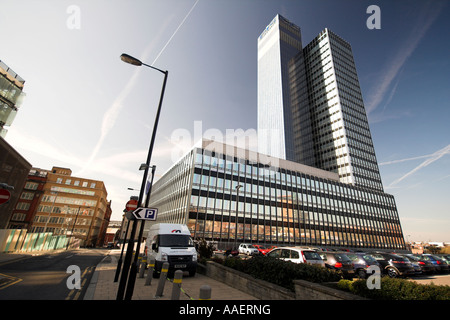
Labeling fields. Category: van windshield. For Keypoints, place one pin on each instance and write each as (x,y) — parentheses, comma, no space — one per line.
(170,240)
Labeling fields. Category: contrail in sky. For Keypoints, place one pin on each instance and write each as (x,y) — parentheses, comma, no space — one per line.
(175,32)
(432,158)
(428,15)
(110,117)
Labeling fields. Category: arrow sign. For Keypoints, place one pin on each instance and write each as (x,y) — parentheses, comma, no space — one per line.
(145,213)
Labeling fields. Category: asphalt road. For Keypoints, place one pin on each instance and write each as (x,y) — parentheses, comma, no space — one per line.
(56,276)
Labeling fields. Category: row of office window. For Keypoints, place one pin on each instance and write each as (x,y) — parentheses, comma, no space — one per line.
(232,199)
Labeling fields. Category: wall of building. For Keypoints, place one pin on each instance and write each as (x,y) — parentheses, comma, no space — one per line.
(13,173)
(275,205)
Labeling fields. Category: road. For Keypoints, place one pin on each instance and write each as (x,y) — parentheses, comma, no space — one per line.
(50,276)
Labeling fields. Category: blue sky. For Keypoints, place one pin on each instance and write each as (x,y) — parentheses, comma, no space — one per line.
(87,110)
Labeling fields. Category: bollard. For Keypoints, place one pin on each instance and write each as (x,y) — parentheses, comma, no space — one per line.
(138,264)
(177,279)
(205,292)
(143,265)
(162,279)
(151,266)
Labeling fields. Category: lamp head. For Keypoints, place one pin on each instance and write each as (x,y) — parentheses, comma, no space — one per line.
(129,59)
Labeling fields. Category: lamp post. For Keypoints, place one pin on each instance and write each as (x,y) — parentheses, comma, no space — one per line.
(74,223)
(134,265)
(237,215)
(126,268)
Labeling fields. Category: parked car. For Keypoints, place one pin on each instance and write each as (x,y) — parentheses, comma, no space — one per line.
(446,256)
(338,261)
(414,263)
(296,255)
(231,252)
(425,264)
(394,265)
(247,248)
(438,262)
(361,262)
(262,249)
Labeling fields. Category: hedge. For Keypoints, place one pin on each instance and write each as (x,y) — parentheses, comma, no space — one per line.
(281,272)
(397,289)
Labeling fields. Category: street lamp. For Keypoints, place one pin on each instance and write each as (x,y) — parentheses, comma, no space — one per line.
(75,222)
(120,292)
(237,215)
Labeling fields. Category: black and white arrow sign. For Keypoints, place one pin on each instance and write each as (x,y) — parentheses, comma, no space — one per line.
(145,213)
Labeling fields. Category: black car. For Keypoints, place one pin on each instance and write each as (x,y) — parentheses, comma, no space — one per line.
(361,262)
(438,262)
(425,264)
(338,261)
(415,264)
(394,265)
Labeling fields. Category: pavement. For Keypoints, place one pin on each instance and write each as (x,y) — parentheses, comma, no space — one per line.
(103,287)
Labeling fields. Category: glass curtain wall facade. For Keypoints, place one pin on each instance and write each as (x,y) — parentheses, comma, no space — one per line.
(277,44)
(310,106)
(11,96)
(340,129)
(230,200)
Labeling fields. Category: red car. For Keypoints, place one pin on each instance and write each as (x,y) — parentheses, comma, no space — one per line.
(261,249)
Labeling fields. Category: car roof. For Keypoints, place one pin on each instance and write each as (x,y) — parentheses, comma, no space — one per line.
(296,248)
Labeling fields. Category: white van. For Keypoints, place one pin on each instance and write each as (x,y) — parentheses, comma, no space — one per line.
(168,242)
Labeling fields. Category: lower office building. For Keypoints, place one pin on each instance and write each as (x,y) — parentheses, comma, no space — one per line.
(230,195)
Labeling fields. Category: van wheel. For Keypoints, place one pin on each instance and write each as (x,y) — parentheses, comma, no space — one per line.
(192,272)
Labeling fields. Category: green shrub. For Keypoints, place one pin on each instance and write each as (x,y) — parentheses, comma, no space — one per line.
(397,289)
(204,249)
(281,272)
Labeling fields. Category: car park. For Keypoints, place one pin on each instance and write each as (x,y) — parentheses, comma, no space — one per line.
(248,249)
(394,265)
(262,249)
(361,262)
(338,261)
(296,255)
(438,262)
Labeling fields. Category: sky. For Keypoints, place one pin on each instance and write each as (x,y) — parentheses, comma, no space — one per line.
(87,110)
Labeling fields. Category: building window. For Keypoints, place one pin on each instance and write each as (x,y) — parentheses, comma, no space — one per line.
(31,185)
(18,217)
(27,195)
(23,206)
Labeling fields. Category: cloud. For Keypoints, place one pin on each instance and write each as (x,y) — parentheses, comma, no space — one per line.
(431,158)
(428,15)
